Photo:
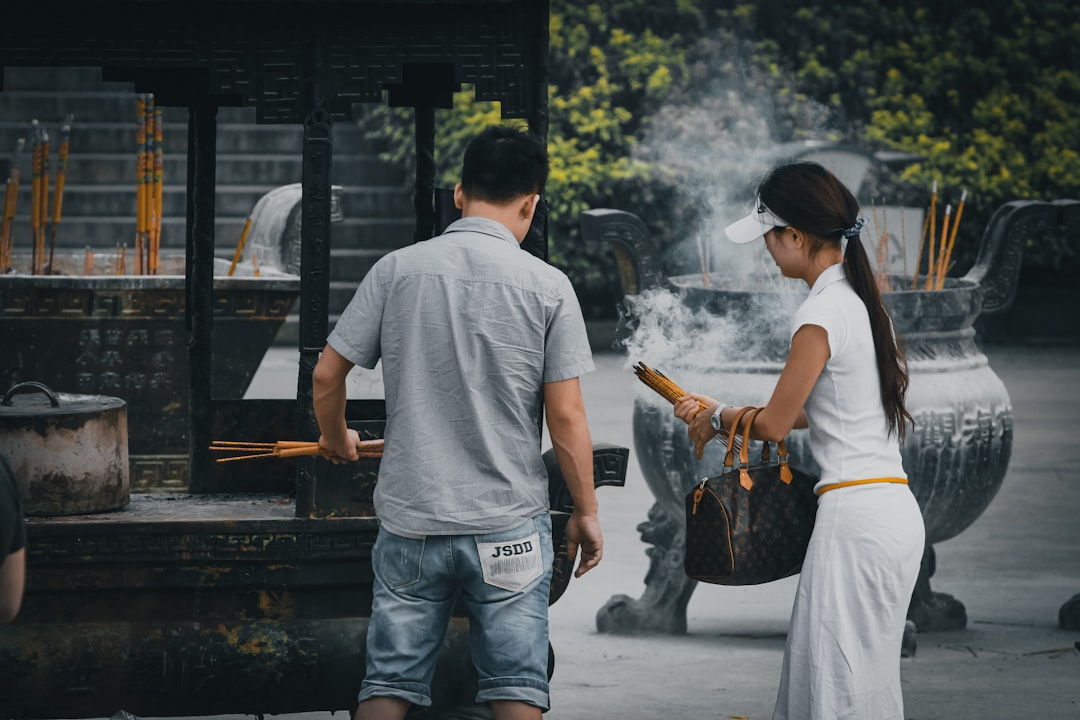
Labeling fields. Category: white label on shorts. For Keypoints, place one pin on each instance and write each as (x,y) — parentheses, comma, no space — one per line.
(512,564)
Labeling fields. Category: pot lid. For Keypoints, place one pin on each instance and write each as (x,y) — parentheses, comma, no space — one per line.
(34,398)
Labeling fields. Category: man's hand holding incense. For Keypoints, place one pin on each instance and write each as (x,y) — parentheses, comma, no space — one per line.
(342,451)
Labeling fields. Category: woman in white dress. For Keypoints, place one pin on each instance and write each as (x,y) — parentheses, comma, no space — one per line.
(845,379)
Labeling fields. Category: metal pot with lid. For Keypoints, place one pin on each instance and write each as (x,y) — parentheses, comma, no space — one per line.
(69,452)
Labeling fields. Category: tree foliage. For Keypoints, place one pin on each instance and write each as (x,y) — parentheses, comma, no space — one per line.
(652,103)
(987,94)
(609,72)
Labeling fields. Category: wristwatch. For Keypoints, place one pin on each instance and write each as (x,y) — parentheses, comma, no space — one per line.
(717,419)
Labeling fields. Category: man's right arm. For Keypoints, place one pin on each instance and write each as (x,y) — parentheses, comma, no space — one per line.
(328,401)
(12,580)
(572,443)
(12,535)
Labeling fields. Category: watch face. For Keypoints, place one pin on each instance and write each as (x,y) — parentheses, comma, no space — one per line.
(716,422)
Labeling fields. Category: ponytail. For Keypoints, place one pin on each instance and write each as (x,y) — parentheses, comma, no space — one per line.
(891,363)
(812,199)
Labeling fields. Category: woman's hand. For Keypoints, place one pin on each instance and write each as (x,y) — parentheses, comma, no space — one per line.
(689,409)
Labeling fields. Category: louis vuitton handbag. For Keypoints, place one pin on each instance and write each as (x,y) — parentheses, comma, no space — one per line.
(751,524)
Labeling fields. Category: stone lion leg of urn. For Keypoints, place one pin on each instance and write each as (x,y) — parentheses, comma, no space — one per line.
(662,607)
(670,470)
(933,611)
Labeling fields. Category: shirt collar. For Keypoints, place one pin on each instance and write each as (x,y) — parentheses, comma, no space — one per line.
(828,276)
(482,225)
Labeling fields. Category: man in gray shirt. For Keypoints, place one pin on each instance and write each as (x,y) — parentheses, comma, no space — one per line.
(474,335)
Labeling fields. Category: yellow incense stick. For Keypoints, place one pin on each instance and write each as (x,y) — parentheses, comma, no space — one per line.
(240,247)
(933,228)
(159,184)
(939,267)
(148,181)
(140,176)
(922,244)
(61,176)
(952,235)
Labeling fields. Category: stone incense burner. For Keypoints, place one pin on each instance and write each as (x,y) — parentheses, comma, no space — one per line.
(956,456)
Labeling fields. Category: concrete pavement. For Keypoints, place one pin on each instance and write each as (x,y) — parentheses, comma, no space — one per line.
(1012,569)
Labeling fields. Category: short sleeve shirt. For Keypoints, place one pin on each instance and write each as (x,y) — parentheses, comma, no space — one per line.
(469,328)
(12,528)
(849,433)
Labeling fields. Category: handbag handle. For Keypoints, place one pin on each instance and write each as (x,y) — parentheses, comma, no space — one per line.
(729,456)
(744,457)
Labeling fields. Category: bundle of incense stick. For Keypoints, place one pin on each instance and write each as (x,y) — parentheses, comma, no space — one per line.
(939,258)
(37,174)
(142,192)
(58,193)
(149,164)
(671,392)
(660,382)
(947,248)
(285,448)
(11,201)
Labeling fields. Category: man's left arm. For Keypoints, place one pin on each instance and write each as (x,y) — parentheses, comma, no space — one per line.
(572,443)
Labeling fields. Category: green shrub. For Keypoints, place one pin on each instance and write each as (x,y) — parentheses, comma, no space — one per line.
(650,103)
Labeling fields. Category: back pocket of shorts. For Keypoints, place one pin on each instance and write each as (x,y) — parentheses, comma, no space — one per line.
(398,559)
(511,564)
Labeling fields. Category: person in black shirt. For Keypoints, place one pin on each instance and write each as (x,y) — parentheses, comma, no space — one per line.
(12,546)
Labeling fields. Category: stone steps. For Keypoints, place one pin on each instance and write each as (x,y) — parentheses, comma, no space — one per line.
(103,233)
(99,103)
(232,168)
(231,200)
(233,137)
(100,188)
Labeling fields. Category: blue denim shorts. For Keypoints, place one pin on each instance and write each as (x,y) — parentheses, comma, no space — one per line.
(503,579)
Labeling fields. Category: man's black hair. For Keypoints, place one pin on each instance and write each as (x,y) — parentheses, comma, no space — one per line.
(502,163)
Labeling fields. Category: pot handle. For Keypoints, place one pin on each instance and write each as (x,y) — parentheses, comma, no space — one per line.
(635,251)
(997,267)
(29,387)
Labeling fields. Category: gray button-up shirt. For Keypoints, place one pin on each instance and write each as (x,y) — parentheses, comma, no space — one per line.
(469,327)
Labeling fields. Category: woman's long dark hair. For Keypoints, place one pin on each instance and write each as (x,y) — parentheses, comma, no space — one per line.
(813,200)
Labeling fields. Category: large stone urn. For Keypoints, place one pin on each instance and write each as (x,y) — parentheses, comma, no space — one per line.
(126,336)
(93,326)
(731,344)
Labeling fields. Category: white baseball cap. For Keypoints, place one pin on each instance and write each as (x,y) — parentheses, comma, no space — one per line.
(757,222)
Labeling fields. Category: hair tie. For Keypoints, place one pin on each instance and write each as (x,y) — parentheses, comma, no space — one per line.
(853,231)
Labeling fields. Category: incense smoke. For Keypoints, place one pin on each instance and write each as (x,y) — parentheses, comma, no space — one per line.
(718,149)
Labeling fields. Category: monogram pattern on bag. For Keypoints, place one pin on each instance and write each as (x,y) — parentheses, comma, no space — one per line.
(740,537)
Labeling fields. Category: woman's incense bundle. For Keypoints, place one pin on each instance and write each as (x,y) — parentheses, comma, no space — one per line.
(671,392)
(660,382)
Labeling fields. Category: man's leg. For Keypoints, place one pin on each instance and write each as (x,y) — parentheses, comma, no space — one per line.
(385,708)
(506,579)
(412,597)
(511,710)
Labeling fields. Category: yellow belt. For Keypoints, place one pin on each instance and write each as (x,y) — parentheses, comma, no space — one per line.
(848,483)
